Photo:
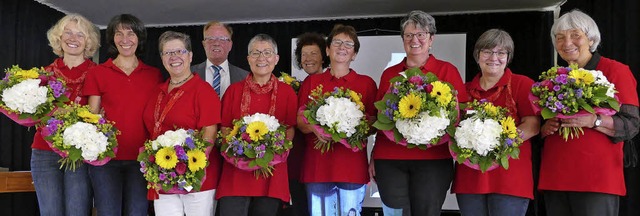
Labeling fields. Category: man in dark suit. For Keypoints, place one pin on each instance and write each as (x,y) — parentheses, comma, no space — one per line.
(217,70)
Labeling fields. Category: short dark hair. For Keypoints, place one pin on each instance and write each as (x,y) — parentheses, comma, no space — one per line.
(307,39)
(344,29)
(126,21)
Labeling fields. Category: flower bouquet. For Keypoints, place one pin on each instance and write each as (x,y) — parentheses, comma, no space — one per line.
(256,143)
(567,92)
(175,161)
(290,80)
(29,95)
(417,110)
(486,138)
(339,116)
(78,135)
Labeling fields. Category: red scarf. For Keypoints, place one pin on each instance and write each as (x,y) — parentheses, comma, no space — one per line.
(80,80)
(510,103)
(251,86)
(158,117)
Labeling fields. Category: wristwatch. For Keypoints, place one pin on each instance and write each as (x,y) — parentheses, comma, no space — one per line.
(598,121)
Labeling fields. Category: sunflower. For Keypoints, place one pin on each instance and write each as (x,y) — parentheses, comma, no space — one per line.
(166,158)
(509,127)
(88,116)
(442,93)
(28,74)
(582,76)
(256,130)
(197,160)
(409,106)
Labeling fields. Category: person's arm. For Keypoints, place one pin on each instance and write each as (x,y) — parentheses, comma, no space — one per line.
(209,133)
(308,128)
(530,126)
(94,104)
(550,126)
(621,126)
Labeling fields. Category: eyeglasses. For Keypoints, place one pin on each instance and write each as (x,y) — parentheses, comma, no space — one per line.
(347,44)
(219,38)
(419,35)
(266,53)
(174,53)
(489,53)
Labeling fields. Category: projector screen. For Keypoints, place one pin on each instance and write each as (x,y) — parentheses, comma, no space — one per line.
(380,52)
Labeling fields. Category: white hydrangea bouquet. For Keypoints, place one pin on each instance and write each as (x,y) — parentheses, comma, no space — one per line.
(486,138)
(256,143)
(78,135)
(29,95)
(339,116)
(418,110)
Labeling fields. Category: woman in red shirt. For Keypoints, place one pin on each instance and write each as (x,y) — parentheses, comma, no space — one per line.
(184,101)
(584,175)
(65,192)
(500,191)
(240,193)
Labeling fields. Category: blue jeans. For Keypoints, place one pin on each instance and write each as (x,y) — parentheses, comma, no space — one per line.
(492,204)
(60,191)
(120,188)
(335,198)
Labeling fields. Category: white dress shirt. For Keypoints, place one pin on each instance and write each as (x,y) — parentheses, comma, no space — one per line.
(225,79)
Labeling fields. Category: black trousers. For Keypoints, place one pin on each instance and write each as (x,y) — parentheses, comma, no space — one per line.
(418,187)
(566,203)
(248,206)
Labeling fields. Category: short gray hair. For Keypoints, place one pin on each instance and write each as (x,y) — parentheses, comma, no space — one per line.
(265,38)
(422,21)
(576,19)
(171,35)
(493,38)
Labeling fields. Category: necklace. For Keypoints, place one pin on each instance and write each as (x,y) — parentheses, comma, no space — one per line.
(178,83)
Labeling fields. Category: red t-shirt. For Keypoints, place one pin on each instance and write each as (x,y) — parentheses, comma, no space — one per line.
(518,179)
(236,182)
(123,98)
(74,78)
(388,149)
(590,163)
(340,164)
(197,107)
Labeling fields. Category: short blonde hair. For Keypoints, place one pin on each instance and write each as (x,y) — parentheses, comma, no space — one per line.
(92,42)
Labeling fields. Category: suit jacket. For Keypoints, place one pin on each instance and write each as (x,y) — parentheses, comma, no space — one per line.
(236,74)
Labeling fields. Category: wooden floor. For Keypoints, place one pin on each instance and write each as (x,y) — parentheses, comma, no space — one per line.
(11,182)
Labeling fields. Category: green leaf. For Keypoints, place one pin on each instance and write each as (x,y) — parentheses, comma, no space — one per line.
(515,153)
(397,136)
(383,126)
(586,106)
(383,118)
(381,105)
(547,113)
(504,162)
(613,103)
(75,154)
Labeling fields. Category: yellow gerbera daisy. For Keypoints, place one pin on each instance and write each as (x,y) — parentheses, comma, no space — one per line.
(234,131)
(257,130)
(409,105)
(509,127)
(442,93)
(166,158)
(582,76)
(28,74)
(88,116)
(197,160)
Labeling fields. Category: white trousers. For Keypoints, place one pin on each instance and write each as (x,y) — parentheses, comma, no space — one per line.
(192,204)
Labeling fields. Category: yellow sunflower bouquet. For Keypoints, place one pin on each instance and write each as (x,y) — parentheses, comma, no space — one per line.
(175,161)
(486,138)
(418,110)
(290,80)
(257,143)
(26,96)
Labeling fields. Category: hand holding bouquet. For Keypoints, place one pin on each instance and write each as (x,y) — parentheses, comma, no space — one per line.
(175,161)
(79,135)
(339,116)
(417,110)
(29,95)
(290,80)
(567,92)
(486,138)
(256,143)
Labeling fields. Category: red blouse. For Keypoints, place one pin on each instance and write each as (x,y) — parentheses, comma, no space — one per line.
(74,79)
(123,98)
(236,182)
(590,163)
(198,106)
(388,149)
(340,164)
(518,179)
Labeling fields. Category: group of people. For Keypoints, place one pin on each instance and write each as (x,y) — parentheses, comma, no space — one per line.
(210,95)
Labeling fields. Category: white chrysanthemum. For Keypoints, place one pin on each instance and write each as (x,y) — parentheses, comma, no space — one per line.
(271,121)
(601,79)
(25,96)
(423,129)
(86,137)
(341,112)
(480,136)
(170,138)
